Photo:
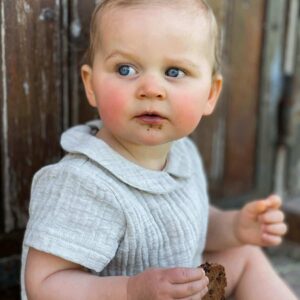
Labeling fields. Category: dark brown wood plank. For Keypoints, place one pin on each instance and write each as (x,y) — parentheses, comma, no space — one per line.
(209,135)
(271,91)
(292,211)
(293,127)
(242,91)
(228,138)
(80,16)
(3,97)
(33,98)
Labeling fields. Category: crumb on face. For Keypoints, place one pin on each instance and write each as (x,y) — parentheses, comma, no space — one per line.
(159,127)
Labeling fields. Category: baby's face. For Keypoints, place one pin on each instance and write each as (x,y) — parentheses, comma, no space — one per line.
(152,74)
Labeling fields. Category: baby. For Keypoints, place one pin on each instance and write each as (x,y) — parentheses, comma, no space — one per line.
(125,214)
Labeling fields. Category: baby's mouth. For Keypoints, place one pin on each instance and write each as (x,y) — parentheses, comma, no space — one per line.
(150,118)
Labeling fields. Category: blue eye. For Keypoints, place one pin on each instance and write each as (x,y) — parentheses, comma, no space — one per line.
(126,70)
(175,72)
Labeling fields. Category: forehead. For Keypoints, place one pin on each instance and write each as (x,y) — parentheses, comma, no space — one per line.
(154,22)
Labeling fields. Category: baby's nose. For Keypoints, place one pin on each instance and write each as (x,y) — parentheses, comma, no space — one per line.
(151,88)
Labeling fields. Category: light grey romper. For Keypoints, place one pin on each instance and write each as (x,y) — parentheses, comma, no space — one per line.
(99,210)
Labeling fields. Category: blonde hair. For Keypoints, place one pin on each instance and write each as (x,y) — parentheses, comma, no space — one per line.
(106,4)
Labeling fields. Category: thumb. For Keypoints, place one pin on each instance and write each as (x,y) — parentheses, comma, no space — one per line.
(274,201)
(257,207)
(260,206)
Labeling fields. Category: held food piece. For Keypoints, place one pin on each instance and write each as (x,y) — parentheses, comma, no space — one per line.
(217,281)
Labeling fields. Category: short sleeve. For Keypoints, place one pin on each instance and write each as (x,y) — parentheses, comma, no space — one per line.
(73,217)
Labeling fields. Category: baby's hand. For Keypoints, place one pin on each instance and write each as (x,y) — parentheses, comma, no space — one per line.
(261,222)
(161,284)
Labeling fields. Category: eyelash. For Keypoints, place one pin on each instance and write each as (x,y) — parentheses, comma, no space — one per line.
(119,66)
(178,69)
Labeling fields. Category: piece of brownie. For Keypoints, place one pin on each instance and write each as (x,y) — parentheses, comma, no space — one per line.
(217,281)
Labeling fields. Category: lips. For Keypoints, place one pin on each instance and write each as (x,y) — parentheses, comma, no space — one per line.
(151,118)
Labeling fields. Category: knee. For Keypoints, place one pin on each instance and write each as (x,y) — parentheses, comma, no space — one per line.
(243,256)
(248,251)
(251,254)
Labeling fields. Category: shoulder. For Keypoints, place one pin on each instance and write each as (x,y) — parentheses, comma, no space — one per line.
(74,215)
(74,181)
(72,170)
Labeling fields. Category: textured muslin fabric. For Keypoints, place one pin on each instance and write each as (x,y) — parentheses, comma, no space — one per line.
(99,210)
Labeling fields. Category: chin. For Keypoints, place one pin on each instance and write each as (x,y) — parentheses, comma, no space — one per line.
(151,142)
(154,141)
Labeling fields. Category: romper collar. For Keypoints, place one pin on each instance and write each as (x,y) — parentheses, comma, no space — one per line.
(81,139)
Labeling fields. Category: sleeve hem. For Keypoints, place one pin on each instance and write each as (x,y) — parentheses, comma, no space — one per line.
(67,250)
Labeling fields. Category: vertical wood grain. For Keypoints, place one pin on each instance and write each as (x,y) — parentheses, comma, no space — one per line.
(228,138)
(80,16)
(5,208)
(243,52)
(31,98)
(293,135)
(271,89)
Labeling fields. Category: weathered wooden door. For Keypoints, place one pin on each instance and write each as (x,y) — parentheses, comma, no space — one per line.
(42,43)
(31,104)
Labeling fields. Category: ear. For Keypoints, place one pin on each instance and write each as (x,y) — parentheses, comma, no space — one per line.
(86,76)
(215,91)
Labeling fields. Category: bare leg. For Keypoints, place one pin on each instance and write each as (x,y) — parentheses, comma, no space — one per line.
(250,275)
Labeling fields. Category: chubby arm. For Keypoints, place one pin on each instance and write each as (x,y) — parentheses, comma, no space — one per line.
(260,222)
(221,229)
(48,277)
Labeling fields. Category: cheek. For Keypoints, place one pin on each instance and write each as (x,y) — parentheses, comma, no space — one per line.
(189,109)
(111,102)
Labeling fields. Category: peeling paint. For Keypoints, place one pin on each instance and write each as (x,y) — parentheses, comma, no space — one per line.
(27,7)
(26,88)
(47,14)
(76,28)
(76,24)
(23,9)
(42,16)
(9,224)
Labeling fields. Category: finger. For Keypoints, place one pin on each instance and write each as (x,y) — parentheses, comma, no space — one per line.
(189,289)
(184,275)
(276,229)
(271,240)
(272,216)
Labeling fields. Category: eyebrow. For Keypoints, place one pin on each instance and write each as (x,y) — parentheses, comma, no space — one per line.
(119,53)
(183,62)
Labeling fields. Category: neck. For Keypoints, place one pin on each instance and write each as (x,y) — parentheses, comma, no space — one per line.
(149,157)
